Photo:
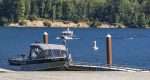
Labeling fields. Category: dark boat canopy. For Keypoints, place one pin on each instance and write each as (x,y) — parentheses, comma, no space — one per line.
(48,46)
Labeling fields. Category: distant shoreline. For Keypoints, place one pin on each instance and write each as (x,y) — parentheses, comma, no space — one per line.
(60,24)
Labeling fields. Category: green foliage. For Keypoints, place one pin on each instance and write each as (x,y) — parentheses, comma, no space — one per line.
(41,7)
(34,9)
(134,13)
(22,23)
(95,23)
(21,9)
(32,17)
(3,21)
(47,23)
(27,8)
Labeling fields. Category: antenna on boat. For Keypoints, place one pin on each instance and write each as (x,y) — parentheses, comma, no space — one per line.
(95,46)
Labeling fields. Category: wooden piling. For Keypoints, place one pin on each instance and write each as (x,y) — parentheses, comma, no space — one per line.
(109,50)
(45,38)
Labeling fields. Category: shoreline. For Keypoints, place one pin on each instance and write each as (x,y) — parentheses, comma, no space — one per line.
(62,24)
(74,75)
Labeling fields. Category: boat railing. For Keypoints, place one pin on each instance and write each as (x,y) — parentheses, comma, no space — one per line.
(19,58)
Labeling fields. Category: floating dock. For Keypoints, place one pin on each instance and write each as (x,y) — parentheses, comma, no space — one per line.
(98,67)
(78,66)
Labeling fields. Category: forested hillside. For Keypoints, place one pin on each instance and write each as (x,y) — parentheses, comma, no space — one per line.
(133,13)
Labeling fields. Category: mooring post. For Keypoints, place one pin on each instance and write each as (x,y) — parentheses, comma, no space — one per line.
(109,50)
(45,38)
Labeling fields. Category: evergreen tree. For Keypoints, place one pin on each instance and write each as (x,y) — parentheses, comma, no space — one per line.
(53,13)
(41,7)
(129,12)
(66,10)
(142,20)
(47,9)
(27,8)
(21,9)
(59,9)
(34,10)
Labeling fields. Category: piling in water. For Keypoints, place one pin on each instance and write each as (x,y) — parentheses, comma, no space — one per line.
(109,50)
(45,38)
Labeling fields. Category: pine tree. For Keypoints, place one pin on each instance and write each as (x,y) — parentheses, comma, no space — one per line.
(66,10)
(47,9)
(142,20)
(53,13)
(41,7)
(21,9)
(128,12)
(27,8)
(34,10)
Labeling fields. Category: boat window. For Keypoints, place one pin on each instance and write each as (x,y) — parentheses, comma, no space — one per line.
(56,53)
(43,54)
(64,34)
(50,54)
(35,52)
(63,53)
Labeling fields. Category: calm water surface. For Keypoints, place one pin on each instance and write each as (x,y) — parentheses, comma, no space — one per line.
(131,47)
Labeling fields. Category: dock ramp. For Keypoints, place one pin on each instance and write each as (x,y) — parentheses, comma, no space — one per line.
(80,66)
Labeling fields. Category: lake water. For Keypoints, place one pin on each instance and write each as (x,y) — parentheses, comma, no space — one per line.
(131,47)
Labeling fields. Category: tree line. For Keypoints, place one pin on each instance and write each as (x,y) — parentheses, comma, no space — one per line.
(132,13)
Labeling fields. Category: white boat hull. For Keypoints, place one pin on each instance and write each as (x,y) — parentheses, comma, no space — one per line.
(66,37)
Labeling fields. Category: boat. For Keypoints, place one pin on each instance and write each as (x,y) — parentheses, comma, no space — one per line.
(43,56)
(67,34)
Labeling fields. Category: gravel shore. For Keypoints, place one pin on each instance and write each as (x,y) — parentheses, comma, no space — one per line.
(74,75)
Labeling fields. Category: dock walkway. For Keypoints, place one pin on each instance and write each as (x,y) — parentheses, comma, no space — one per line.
(98,67)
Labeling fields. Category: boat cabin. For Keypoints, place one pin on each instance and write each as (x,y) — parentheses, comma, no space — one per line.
(39,51)
(67,34)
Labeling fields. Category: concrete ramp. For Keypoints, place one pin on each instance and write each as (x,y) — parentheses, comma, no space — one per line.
(5,70)
(75,75)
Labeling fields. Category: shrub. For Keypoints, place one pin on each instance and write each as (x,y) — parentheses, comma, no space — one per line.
(22,23)
(32,17)
(47,23)
(3,21)
(95,23)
